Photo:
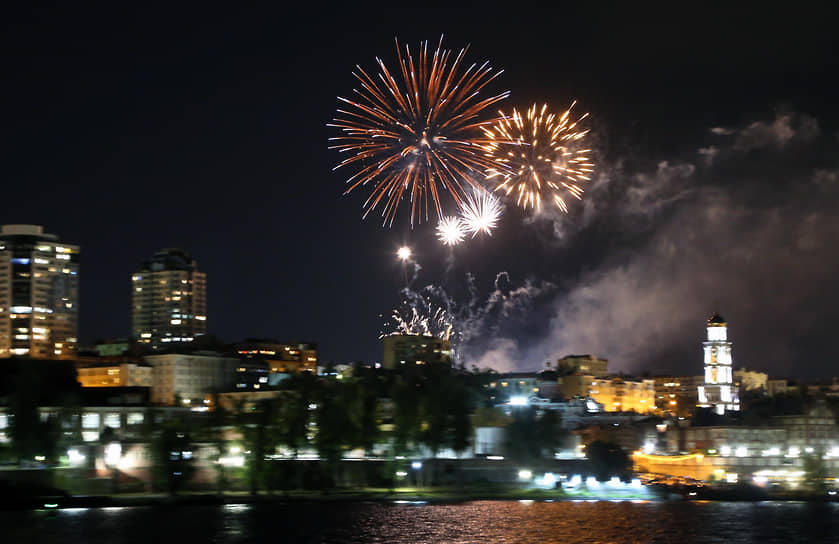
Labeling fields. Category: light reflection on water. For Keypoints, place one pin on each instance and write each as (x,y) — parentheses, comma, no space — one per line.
(481,521)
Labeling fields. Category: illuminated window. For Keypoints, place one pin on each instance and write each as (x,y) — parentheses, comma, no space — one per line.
(112,420)
(90,421)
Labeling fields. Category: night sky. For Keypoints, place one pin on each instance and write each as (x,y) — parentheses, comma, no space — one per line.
(716,135)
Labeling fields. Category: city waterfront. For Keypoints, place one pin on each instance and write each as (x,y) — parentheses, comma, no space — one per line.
(479,521)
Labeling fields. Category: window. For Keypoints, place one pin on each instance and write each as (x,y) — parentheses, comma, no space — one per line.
(112,420)
(90,421)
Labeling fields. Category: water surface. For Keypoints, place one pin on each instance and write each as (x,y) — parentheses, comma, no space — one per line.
(472,522)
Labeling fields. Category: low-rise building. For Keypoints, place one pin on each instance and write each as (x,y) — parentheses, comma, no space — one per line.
(127,374)
(189,378)
(615,393)
(583,364)
(418,349)
(676,395)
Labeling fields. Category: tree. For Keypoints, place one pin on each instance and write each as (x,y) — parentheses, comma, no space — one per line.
(259,437)
(607,459)
(531,435)
(334,427)
(173,454)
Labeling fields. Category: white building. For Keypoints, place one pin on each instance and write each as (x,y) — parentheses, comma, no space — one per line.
(39,291)
(718,390)
(190,377)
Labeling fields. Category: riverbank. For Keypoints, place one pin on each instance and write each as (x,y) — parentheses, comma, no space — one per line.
(441,495)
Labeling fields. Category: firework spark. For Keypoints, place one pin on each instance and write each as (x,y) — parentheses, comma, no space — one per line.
(427,321)
(481,212)
(419,136)
(404,253)
(451,230)
(541,156)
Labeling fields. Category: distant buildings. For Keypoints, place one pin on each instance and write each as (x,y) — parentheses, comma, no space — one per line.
(615,393)
(718,390)
(677,395)
(169,300)
(281,358)
(401,349)
(751,380)
(585,364)
(189,379)
(116,374)
(39,291)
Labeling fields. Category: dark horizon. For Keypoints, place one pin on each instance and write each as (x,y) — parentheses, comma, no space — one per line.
(716,136)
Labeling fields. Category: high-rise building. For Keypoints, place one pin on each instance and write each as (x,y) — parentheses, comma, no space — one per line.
(169,300)
(39,292)
(718,391)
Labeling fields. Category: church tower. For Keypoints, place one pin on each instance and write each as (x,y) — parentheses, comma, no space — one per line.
(718,390)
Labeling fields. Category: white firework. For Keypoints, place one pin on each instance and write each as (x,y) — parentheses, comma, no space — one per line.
(451,231)
(481,212)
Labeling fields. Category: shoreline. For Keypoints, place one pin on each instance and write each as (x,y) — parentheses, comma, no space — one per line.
(418,497)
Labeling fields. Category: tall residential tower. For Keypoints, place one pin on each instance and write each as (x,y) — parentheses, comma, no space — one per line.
(39,292)
(169,300)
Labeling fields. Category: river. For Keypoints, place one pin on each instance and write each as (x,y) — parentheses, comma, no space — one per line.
(564,522)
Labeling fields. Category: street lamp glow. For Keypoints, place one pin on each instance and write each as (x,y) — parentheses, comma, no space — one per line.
(404,253)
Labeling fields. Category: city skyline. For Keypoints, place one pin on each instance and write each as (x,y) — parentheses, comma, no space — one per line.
(715,186)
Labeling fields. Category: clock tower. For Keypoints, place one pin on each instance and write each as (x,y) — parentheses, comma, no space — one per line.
(718,390)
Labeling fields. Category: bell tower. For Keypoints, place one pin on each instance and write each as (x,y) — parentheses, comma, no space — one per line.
(718,390)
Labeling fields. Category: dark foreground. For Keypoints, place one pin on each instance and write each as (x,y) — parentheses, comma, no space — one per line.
(481,521)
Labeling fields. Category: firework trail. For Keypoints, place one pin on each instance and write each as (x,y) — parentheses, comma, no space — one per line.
(419,135)
(539,156)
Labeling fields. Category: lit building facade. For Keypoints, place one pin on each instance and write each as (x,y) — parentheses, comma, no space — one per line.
(114,374)
(169,300)
(774,452)
(39,292)
(401,349)
(616,394)
(677,395)
(189,380)
(282,358)
(718,390)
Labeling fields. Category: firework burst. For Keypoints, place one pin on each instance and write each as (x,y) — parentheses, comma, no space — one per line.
(418,136)
(451,231)
(424,321)
(539,157)
(481,212)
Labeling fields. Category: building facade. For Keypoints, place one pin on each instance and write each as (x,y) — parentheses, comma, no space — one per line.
(169,300)
(401,349)
(718,390)
(39,292)
(281,357)
(112,374)
(189,380)
(584,364)
(615,393)
(677,395)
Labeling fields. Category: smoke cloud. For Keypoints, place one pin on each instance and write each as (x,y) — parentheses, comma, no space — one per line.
(749,231)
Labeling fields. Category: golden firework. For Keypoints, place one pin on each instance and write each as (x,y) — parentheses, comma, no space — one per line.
(539,157)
